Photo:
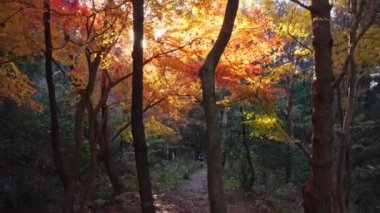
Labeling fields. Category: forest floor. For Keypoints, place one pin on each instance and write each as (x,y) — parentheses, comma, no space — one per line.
(189,197)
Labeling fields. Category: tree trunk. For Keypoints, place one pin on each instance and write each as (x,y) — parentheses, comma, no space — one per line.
(360,11)
(223,124)
(117,185)
(346,136)
(317,193)
(288,164)
(289,81)
(91,177)
(139,141)
(264,176)
(54,129)
(75,169)
(106,150)
(207,72)
(84,102)
(247,151)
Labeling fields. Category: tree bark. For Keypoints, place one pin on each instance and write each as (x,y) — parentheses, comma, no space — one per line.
(105,146)
(345,137)
(117,185)
(138,134)
(75,169)
(289,81)
(91,177)
(54,122)
(247,151)
(317,193)
(84,101)
(288,164)
(213,131)
(360,11)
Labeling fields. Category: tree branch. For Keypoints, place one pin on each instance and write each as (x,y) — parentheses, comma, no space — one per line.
(301,4)
(299,145)
(121,79)
(155,56)
(125,126)
(343,73)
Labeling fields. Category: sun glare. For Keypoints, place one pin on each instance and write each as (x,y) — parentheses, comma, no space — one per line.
(131,38)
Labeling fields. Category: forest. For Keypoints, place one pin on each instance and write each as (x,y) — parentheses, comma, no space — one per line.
(261,106)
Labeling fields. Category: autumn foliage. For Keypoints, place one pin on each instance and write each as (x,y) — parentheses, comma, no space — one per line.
(92,43)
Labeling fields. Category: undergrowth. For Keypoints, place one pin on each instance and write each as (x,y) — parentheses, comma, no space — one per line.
(170,173)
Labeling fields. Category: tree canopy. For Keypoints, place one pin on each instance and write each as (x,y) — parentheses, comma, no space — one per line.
(303,73)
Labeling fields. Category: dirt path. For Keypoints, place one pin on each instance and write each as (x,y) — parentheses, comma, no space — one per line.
(190,197)
(196,186)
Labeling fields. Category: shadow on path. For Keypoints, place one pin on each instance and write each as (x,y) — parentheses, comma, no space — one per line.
(189,197)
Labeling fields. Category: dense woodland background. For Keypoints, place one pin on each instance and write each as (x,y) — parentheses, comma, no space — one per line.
(90,110)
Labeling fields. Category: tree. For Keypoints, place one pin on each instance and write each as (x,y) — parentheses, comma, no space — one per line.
(15,85)
(54,129)
(104,137)
(317,193)
(79,138)
(251,180)
(362,15)
(139,141)
(207,73)
(90,36)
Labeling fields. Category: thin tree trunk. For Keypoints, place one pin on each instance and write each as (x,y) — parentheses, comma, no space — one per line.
(117,185)
(207,72)
(224,120)
(289,80)
(317,193)
(54,129)
(106,149)
(75,169)
(84,101)
(264,176)
(361,11)
(288,164)
(346,136)
(91,177)
(139,141)
(247,150)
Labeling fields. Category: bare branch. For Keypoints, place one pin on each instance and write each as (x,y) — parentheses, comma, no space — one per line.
(300,42)
(121,79)
(125,126)
(301,4)
(158,55)
(343,73)
(307,154)
(294,37)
